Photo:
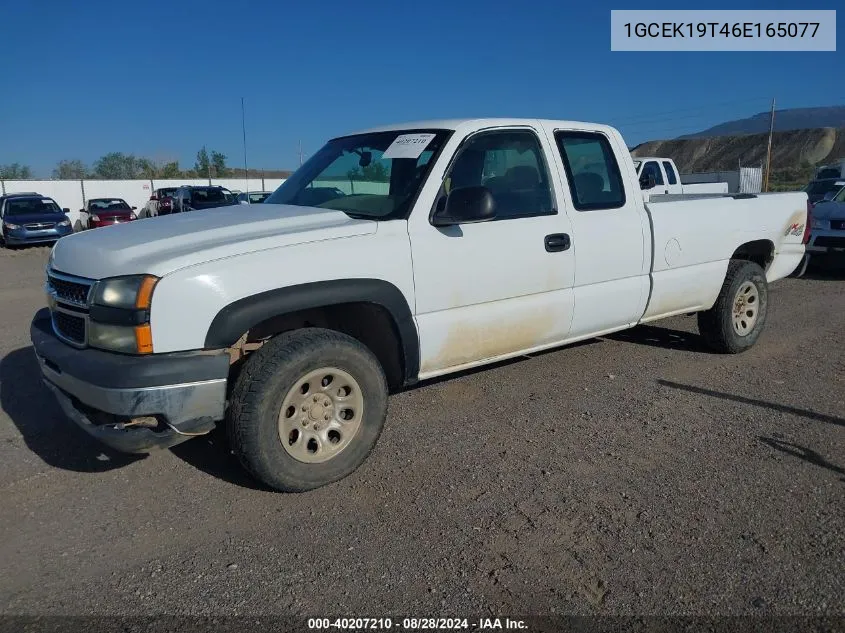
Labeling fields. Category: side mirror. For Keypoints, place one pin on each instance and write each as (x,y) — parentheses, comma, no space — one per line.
(66,210)
(134,208)
(647,181)
(466,205)
(153,197)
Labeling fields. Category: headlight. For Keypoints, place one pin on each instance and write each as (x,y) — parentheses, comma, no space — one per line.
(96,218)
(818,224)
(132,216)
(120,314)
(118,338)
(9,225)
(64,223)
(135,292)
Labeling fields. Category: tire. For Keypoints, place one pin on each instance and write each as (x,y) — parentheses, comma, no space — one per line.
(259,424)
(718,327)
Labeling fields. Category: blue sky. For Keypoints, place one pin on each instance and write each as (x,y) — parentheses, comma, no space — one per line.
(161,79)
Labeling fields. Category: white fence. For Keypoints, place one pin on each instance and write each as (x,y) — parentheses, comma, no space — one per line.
(72,194)
(743,180)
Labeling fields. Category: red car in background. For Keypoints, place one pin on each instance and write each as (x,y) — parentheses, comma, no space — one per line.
(105,212)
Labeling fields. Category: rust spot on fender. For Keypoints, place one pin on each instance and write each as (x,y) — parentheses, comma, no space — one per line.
(795,224)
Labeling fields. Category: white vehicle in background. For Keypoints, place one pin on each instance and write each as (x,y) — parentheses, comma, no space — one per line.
(667,179)
(290,324)
(252,197)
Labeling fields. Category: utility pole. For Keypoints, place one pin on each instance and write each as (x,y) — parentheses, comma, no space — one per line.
(243,128)
(769,150)
(300,153)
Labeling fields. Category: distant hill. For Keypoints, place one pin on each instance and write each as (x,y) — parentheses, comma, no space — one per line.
(788,119)
(794,152)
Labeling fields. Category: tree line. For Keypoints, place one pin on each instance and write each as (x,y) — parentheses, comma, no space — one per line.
(120,166)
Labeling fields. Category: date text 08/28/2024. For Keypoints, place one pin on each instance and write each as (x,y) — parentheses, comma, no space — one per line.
(417,624)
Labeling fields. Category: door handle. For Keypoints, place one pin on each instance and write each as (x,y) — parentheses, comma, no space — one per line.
(557,242)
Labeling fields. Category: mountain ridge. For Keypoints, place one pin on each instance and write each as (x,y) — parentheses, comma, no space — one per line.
(785,120)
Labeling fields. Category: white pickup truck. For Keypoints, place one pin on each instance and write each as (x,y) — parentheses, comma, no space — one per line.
(471,242)
(659,175)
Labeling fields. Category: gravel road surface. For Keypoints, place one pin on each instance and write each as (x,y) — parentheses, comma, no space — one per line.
(633,474)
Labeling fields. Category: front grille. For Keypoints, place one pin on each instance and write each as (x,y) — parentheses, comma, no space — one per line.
(837,225)
(70,291)
(70,327)
(40,226)
(826,240)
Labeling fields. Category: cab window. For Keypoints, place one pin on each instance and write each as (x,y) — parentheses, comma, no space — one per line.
(670,173)
(509,163)
(595,181)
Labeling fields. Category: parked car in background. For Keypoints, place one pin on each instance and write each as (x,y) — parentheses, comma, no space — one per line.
(160,203)
(827,235)
(253,197)
(832,170)
(193,198)
(818,190)
(667,179)
(104,212)
(30,218)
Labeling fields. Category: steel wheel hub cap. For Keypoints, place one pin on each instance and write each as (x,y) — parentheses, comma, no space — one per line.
(320,415)
(746,308)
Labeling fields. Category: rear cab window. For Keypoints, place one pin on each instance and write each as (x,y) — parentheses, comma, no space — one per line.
(595,181)
(670,173)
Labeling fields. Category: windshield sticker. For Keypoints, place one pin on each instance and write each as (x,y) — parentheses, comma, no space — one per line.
(408,146)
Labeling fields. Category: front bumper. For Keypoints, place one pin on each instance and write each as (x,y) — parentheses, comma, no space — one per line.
(102,223)
(21,237)
(103,392)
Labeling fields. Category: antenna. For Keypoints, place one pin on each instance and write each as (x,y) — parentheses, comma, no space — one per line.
(300,153)
(243,128)
(769,150)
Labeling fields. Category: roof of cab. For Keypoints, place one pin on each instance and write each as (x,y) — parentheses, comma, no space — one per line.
(479,122)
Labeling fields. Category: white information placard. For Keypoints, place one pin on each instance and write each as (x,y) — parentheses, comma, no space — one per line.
(408,146)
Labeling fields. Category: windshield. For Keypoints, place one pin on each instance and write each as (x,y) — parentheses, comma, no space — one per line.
(109,205)
(31,205)
(254,198)
(375,175)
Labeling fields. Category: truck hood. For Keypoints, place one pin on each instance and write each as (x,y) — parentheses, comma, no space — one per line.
(163,244)
(34,218)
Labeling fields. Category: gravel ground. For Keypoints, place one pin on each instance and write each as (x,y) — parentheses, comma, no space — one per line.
(636,474)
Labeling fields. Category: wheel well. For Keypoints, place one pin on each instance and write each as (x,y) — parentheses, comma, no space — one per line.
(369,323)
(761,252)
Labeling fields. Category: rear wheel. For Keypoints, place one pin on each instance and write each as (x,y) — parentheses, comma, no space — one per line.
(307,409)
(737,319)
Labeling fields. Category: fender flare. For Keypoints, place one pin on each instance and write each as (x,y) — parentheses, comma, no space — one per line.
(239,316)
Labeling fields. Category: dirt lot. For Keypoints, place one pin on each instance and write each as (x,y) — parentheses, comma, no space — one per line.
(636,474)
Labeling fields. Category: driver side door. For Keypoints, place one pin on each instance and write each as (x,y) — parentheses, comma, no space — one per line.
(498,288)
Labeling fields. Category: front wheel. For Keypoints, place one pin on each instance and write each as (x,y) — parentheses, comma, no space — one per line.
(737,319)
(307,409)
